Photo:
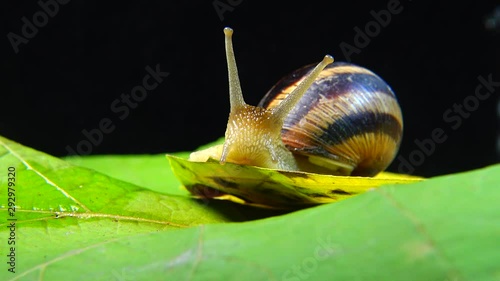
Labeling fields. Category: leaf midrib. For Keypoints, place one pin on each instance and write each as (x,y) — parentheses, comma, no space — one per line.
(46,179)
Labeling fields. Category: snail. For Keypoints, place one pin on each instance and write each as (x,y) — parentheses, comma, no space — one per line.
(304,142)
(330,118)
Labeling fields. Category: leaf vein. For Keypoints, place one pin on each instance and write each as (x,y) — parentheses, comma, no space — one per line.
(118,217)
(58,215)
(419,226)
(199,253)
(47,180)
(68,254)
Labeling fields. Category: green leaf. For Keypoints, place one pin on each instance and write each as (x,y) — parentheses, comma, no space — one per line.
(150,171)
(47,186)
(61,208)
(445,228)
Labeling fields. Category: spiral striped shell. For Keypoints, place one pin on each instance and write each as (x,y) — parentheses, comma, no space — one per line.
(348,122)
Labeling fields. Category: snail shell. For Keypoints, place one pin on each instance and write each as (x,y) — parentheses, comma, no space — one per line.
(329,118)
(347,122)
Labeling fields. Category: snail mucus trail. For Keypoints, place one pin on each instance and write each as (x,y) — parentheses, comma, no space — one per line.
(256,136)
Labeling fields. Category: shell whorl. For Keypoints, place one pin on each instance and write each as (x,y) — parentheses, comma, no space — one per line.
(349,115)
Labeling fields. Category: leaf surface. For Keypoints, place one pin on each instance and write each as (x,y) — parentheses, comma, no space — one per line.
(151,171)
(74,223)
(61,208)
(273,188)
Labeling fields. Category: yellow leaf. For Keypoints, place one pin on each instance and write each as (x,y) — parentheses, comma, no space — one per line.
(273,188)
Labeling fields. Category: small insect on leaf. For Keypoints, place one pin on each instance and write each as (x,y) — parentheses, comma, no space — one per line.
(273,188)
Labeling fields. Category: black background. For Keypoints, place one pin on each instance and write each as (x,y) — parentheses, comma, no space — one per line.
(65,78)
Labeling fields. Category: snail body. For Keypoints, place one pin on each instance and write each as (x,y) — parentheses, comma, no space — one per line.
(331,118)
